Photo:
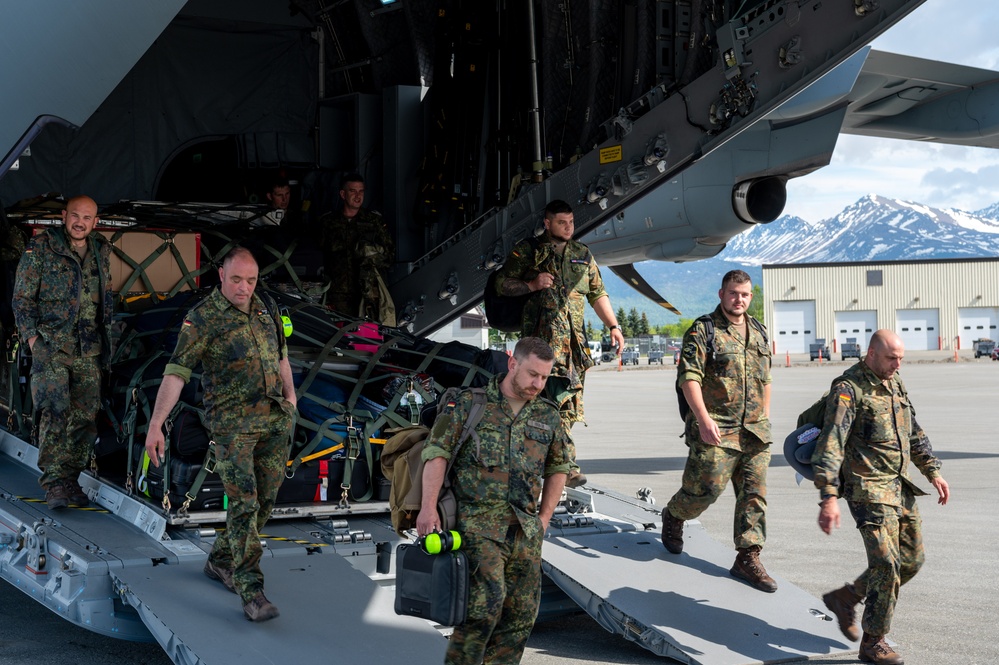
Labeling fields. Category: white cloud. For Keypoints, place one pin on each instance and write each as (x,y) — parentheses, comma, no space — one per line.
(938,175)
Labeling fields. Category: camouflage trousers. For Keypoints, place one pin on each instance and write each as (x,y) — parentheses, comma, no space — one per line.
(66,397)
(570,408)
(503,600)
(709,469)
(251,466)
(893,538)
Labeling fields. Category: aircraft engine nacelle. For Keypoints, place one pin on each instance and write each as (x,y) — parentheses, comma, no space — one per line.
(761,200)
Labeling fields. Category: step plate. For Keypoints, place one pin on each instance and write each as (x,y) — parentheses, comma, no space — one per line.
(688,606)
(320,597)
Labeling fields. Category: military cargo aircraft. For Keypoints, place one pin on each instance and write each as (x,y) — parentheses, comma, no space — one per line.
(670,125)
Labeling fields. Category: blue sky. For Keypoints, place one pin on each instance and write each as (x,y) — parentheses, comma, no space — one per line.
(937,175)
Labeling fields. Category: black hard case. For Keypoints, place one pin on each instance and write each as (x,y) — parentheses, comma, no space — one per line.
(431,586)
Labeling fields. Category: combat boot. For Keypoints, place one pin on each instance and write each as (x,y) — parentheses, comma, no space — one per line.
(748,567)
(77,496)
(259,608)
(576,478)
(220,574)
(57,495)
(874,649)
(672,532)
(841,602)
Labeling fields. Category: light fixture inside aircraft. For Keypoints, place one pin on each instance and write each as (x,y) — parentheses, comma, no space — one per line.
(657,151)
(865,7)
(407,315)
(637,173)
(790,54)
(598,188)
(449,290)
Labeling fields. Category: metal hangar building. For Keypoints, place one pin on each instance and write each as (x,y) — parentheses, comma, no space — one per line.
(942,304)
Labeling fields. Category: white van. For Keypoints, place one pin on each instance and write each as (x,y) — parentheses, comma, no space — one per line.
(595,352)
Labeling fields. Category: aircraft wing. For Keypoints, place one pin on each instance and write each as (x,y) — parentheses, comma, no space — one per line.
(637,282)
(904,97)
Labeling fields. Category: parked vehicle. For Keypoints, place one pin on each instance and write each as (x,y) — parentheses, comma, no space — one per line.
(656,355)
(629,356)
(818,348)
(983,347)
(850,349)
(596,352)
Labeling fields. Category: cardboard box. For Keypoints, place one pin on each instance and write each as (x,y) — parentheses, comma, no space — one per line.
(164,273)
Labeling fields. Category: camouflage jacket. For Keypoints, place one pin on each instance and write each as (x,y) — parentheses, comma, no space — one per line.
(868,439)
(498,474)
(49,292)
(556,314)
(240,355)
(732,378)
(347,243)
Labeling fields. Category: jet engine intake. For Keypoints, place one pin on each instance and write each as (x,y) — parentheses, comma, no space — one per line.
(761,200)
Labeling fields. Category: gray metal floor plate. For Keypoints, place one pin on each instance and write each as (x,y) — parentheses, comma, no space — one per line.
(346,602)
(688,606)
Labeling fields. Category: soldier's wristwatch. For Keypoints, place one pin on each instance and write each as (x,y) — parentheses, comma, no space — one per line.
(613,327)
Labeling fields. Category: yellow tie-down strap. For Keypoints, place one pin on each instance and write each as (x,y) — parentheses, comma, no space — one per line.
(333,449)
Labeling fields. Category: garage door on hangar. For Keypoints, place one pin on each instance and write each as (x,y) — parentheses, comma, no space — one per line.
(858,325)
(918,328)
(977,322)
(794,325)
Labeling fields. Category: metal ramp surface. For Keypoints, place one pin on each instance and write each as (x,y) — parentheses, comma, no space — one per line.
(330,613)
(118,569)
(686,607)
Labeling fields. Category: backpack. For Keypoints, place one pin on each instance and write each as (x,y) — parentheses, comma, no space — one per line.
(506,313)
(709,331)
(800,444)
(402,465)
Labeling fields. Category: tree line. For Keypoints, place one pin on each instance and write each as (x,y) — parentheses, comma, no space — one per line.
(636,324)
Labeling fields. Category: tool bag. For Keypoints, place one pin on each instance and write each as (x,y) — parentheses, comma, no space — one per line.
(431,586)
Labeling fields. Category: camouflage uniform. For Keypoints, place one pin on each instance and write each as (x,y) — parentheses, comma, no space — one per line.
(66,302)
(497,482)
(355,252)
(732,383)
(555,315)
(869,436)
(248,416)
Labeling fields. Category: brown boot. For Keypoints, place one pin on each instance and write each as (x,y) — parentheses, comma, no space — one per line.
(748,567)
(841,602)
(77,496)
(259,608)
(672,532)
(57,495)
(220,574)
(576,478)
(874,649)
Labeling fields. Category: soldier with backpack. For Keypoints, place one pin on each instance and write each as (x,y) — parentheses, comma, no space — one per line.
(724,377)
(869,435)
(559,275)
(516,453)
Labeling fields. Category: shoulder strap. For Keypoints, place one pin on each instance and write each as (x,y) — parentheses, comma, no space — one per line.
(475,414)
(760,328)
(709,332)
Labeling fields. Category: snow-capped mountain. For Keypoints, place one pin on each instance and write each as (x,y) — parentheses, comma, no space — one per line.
(872,229)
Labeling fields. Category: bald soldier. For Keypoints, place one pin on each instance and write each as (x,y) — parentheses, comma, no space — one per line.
(62,306)
(869,436)
(249,407)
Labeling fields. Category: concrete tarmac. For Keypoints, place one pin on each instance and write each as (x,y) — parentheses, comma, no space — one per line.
(946,614)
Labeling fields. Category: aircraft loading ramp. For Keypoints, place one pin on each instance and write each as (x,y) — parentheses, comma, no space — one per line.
(118,570)
(686,607)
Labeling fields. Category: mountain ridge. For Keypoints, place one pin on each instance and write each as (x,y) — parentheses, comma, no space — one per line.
(874,228)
